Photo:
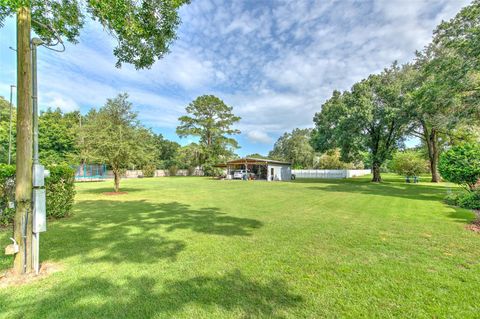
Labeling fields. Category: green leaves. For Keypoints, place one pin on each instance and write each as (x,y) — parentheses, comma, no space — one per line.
(143,29)
(60,186)
(114,136)
(52,19)
(453,60)
(211,120)
(370,117)
(5,129)
(295,147)
(409,163)
(461,165)
(58,137)
(462,33)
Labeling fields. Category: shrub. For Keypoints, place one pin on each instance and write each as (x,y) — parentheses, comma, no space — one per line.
(210,170)
(452,199)
(7,193)
(332,160)
(173,170)
(461,165)
(470,200)
(60,187)
(465,199)
(409,163)
(190,171)
(149,170)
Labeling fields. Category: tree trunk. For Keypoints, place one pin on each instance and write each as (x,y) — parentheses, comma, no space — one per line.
(434,165)
(116,177)
(432,147)
(376,173)
(23,190)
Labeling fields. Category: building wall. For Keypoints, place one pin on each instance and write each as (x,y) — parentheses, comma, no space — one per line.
(280,172)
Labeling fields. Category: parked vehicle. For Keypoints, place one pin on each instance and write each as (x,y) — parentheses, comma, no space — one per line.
(238,174)
(241,174)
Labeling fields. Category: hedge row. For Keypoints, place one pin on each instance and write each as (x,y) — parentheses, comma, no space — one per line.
(59,186)
(465,199)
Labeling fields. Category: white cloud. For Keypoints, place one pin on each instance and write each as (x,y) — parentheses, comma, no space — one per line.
(184,69)
(259,137)
(55,100)
(275,62)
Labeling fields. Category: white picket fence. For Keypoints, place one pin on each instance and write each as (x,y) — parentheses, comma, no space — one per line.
(329,173)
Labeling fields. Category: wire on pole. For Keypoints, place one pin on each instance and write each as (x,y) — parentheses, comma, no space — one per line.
(48,45)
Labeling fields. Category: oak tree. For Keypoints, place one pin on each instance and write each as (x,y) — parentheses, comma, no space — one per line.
(445,83)
(371,117)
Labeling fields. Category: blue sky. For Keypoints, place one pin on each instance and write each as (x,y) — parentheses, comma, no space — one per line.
(274,61)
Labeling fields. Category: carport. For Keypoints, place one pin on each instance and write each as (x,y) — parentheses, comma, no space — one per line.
(261,169)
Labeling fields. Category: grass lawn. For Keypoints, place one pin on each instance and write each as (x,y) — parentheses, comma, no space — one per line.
(201,248)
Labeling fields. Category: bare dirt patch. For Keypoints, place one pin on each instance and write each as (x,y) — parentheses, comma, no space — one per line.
(475,226)
(114,193)
(9,279)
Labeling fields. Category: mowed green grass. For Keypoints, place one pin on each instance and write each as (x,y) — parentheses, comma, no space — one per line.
(201,248)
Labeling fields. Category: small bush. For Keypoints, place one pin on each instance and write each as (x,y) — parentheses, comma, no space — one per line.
(408,163)
(465,199)
(332,160)
(172,170)
(470,200)
(149,170)
(6,172)
(210,170)
(452,199)
(59,187)
(6,215)
(461,165)
(7,193)
(190,171)
(60,190)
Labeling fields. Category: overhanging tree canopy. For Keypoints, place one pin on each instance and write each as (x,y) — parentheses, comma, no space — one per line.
(143,29)
(445,82)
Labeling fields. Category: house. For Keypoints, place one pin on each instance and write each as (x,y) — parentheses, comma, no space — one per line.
(261,169)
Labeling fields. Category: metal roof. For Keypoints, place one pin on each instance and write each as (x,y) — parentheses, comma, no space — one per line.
(251,160)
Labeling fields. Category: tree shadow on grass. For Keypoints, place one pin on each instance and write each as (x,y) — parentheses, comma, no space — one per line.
(102,190)
(394,187)
(232,294)
(135,231)
(386,188)
(204,220)
(462,215)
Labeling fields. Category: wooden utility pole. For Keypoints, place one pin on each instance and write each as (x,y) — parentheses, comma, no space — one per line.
(23,190)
